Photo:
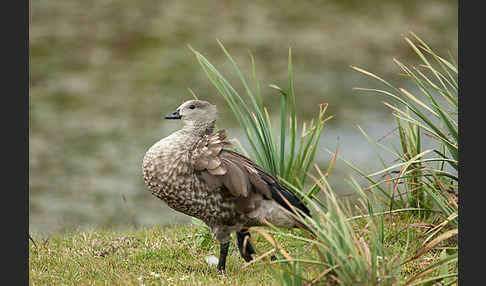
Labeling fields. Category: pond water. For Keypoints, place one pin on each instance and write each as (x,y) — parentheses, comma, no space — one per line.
(103,74)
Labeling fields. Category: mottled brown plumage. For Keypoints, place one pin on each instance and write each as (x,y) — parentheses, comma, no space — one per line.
(193,173)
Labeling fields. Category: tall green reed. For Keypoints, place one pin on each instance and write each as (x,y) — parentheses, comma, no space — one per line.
(285,154)
(334,249)
(425,179)
(430,112)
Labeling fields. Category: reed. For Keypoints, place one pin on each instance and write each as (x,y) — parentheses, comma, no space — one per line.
(361,242)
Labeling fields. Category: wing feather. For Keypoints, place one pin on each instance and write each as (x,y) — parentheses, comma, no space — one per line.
(240,175)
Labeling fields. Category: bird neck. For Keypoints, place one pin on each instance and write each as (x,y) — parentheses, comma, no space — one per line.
(199,128)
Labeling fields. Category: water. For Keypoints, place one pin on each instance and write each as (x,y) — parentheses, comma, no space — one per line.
(103,74)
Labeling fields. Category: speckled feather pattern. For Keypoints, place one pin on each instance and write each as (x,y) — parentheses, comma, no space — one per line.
(169,173)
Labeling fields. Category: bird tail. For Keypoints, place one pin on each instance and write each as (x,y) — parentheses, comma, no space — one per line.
(290,202)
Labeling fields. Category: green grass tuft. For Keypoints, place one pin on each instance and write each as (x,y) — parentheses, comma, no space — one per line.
(337,249)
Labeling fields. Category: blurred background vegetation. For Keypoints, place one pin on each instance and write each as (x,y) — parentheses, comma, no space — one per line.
(103,74)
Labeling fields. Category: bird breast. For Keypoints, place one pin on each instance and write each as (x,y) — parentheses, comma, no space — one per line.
(166,165)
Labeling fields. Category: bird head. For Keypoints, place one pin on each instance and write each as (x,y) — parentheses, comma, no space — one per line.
(195,112)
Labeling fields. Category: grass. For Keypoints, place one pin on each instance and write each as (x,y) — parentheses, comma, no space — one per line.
(171,256)
(435,116)
(149,256)
(360,243)
(425,185)
(428,178)
(288,154)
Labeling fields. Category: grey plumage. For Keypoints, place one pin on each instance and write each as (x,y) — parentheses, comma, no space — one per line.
(193,172)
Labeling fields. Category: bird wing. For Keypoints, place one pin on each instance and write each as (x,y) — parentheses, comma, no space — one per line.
(239,174)
(217,169)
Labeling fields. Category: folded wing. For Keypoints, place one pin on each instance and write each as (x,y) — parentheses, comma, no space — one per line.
(239,175)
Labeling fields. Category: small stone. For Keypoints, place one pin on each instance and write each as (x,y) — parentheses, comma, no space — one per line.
(211,260)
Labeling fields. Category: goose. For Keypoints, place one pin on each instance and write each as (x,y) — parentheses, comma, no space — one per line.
(194,172)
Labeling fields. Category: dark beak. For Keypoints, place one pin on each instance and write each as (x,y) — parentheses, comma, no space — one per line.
(173,115)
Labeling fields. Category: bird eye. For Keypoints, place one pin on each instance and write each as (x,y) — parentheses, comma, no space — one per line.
(192,106)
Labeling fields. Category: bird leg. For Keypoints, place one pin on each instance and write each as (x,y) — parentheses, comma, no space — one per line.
(223,253)
(244,245)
